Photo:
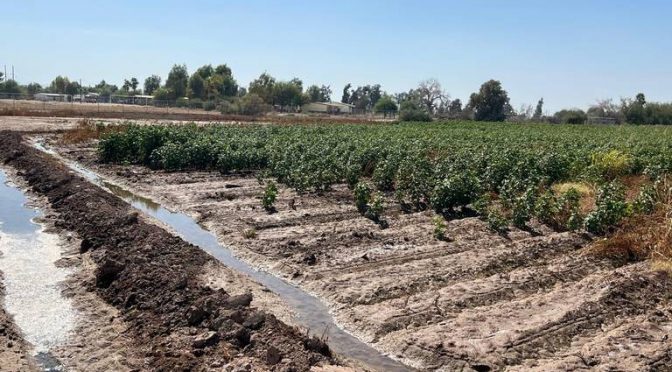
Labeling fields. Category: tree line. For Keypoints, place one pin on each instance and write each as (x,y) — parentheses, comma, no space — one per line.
(215,88)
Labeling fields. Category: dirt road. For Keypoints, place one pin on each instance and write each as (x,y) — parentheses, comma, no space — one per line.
(483,301)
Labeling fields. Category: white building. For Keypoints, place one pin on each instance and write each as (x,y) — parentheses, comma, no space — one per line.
(328,108)
(51,97)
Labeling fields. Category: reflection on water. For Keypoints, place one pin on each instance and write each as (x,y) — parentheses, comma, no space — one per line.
(130,197)
(310,312)
(31,278)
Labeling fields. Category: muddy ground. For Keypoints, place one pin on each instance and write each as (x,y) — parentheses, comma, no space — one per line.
(159,287)
(530,300)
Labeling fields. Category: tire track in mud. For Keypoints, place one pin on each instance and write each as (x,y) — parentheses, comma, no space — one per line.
(433,273)
(435,306)
(508,334)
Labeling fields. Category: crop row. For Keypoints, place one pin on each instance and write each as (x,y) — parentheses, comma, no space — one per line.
(444,166)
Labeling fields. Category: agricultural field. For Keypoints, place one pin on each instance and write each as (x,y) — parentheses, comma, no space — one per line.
(481,246)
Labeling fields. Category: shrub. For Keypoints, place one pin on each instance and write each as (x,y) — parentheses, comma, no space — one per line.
(362,196)
(569,215)
(209,105)
(182,102)
(411,111)
(439,228)
(456,190)
(376,208)
(546,208)
(195,103)
(646,200)
(611,164)
(270,194)
(497,221)
(610,208)
(523,208)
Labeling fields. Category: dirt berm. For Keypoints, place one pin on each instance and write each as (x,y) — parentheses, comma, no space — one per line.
(152,277)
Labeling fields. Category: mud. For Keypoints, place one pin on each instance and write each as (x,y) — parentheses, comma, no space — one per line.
(155,281)
(483,301)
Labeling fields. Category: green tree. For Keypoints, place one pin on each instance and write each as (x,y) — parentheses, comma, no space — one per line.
(59,85)
(318,94)
(134,84)
(10,86)
(287,94)
(152,83)
(163,94)
(412,110)
(345,98)
(105,89)
(263,87)
(538,111)
(196,86)
(385,105)
(177,81)
(33,88)
(491,103)
(223,70)
(455,109)
(204,72)
(73,88)
(574,116)
(252,104)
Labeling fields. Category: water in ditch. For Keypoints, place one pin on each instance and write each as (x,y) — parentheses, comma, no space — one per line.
(30,277)
(310,312)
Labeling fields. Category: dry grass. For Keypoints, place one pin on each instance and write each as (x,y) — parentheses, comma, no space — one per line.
(587,192)
(85,130)
(642,237)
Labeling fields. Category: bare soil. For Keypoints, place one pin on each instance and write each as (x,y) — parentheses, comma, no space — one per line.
(482,301)
(155,284)
(30,108)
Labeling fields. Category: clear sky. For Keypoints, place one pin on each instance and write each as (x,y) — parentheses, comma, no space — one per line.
(570,52)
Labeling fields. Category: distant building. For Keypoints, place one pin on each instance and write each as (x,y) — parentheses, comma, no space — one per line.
(52,97)
(328,108)
(89,97)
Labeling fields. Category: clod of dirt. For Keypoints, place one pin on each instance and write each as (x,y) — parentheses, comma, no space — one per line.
(273,356)
(205,339)
(242,300)
(254,321)
(310,259)
(107,272)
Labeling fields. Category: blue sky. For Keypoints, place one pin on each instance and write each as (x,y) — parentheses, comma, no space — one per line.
(569,52)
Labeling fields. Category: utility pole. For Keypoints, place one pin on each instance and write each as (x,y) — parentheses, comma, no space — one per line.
(13,73)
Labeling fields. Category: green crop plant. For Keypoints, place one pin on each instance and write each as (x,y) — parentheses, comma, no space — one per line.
(270,194)
(439,228)
(440,166)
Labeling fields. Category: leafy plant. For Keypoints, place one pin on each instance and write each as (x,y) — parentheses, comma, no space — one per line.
(439,228)
(362,196)
(454,191)
(270,194)
(610,208)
